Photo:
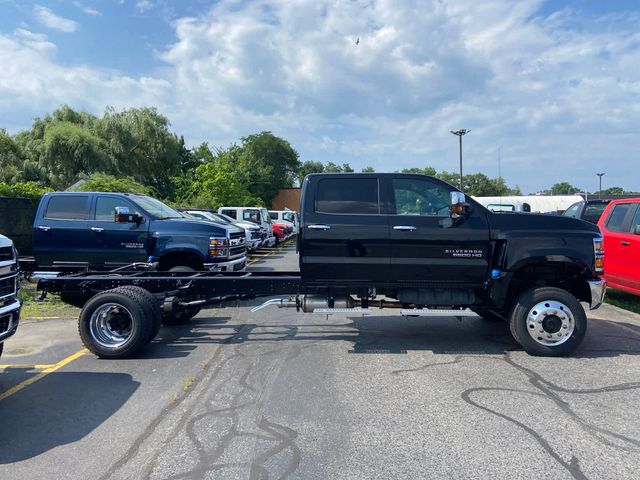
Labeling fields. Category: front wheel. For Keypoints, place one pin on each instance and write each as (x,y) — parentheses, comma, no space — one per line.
(548,321)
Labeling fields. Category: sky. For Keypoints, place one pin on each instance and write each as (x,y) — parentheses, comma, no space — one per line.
(550,90)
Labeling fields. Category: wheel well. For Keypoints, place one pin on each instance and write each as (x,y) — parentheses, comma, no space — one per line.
(181,259)
(567,276)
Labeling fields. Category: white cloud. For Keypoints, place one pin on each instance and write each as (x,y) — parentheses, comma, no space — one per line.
(557,94)
(144,5)
(88,10)
(33,83)
(50,20)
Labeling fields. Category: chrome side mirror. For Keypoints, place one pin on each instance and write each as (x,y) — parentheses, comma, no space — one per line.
(123,215)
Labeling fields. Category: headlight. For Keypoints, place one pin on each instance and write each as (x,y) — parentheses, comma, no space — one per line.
(218,246)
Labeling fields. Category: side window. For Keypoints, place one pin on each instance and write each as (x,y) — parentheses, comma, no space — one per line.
(348,195)
(106,208)
(230,213)
(420,197)
(273,215)
(251,215)
(615,222)
(67,207)
(572,211)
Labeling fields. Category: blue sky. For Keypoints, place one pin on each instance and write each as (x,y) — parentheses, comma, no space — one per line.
(553,87)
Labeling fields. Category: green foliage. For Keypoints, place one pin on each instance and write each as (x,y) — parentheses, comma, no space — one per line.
(368,170)
(70,150)
(562,188)
(424,171)
(309,167)
(614,191)
(101,182)
(30,190)
(333,168)
(216,185)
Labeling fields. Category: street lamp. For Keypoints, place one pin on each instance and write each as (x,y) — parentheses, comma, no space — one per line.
(600,189)
(460,133)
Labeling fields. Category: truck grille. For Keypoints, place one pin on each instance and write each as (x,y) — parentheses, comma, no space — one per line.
(8,286)
(6,254)
(237,244)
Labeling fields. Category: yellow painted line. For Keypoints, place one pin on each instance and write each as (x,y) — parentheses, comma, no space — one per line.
(276,250)
(43,374)
(27,367)
(42,318)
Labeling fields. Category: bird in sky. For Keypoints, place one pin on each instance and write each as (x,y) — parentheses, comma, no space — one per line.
(358,41)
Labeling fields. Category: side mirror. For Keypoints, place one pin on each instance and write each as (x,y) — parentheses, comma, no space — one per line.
(458,206)
(122,215)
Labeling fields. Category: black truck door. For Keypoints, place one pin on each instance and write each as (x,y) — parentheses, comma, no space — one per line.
(345,237)
(426,246)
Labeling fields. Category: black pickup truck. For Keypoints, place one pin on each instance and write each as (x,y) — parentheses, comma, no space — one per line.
(371,241)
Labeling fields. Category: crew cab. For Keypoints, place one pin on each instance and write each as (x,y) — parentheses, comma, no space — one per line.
(620,224)
(9,284)
(371,241)
(94,230)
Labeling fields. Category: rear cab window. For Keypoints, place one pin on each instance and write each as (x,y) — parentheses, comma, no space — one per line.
(67,207)
(348,196)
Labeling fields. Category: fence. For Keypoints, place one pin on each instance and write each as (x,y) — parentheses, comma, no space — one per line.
(16,220)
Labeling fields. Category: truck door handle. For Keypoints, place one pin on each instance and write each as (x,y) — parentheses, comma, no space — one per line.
(43,228)
(319,227)
(97,229)
(624,243)
(405,228)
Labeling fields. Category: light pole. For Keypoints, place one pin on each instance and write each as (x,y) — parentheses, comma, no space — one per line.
(600,189)
(460,133)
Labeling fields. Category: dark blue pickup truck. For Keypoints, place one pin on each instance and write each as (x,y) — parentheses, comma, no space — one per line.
(80,230)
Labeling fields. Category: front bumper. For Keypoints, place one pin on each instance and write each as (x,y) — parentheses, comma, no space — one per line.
(235,265)
(253,245)
(9,319)
(598,287)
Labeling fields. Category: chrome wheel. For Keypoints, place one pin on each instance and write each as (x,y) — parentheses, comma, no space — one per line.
(550,323)
(111,325)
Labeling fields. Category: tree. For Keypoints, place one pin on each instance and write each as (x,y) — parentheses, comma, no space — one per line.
(70,150)
(265,163)
(139,144)
(216,185)
(11,159)
(309,167)
(368,170)
(101,182)
(614,191)
(562,188)
(424,171)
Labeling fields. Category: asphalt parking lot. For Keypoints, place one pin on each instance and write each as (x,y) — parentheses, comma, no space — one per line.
(277,394)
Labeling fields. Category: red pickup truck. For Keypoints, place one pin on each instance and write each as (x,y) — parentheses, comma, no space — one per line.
(620,225)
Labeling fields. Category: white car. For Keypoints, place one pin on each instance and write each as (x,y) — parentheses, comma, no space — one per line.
(252,232)
(258,215)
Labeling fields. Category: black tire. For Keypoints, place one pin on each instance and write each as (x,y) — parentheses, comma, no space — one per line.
(183,316)
(150,305)
(548,321)
(114,324)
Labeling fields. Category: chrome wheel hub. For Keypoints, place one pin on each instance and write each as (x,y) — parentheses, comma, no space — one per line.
(550,323)
(111,325)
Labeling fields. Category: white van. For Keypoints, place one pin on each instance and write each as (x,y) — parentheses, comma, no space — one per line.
(258,215)
(285,216)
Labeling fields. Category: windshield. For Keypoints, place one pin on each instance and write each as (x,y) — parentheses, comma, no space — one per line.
(289,217)
(156,208)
